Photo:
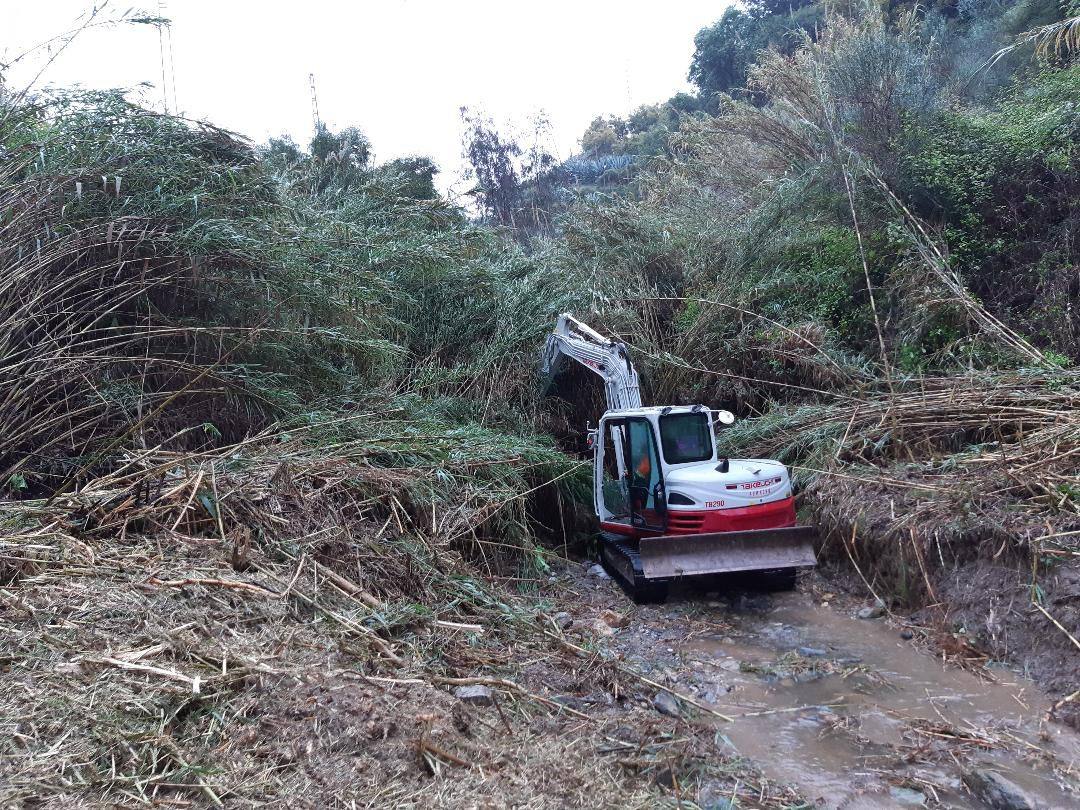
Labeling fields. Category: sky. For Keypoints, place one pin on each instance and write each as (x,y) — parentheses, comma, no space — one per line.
(398,69)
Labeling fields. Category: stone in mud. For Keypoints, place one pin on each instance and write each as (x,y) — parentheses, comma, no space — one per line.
(478,695)
(907,797)
(613,619)
(875,611)
(602,628)
(906,635)
(598,571)
(665,703)
(571,701)
(715,797)
(666,778)
(997,791)
(812,652)
(563,620)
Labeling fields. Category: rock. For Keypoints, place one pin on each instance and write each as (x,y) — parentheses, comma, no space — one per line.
(997,791)
(627,734)
(730,665)
(665,703)
(906,634)
(715,797)
(602,628)
(478,695)
(563,620)
(613,619)
(908,797)
(812,652)
(665,778)
(598,572)
(571,701)
(875,611)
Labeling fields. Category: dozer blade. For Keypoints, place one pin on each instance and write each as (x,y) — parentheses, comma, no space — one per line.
(689,555)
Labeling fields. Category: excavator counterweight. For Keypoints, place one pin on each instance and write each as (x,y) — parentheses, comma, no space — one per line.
(669,506)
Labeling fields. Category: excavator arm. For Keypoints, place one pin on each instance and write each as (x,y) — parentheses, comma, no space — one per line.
(608,358)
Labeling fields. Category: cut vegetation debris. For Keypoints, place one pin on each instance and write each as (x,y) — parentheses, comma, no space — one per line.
(277,478)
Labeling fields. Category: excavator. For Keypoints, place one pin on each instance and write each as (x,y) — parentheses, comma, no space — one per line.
(669,506)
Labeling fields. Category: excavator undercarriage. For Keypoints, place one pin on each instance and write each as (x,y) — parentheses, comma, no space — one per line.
(645,568)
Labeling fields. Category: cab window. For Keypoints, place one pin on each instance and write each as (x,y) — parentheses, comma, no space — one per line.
(686,437)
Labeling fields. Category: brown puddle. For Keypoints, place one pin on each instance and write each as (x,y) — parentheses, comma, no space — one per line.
(862,719)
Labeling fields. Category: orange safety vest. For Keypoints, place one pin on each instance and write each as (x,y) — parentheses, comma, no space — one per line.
(644,466)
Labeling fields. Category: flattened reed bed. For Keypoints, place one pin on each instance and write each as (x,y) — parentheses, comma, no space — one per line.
(272,623)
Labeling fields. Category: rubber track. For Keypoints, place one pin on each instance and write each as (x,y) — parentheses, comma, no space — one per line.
(622,562)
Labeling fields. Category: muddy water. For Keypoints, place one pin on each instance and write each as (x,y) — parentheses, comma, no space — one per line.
(856,717)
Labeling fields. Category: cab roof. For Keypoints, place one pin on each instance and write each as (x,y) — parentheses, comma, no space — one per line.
(659,409)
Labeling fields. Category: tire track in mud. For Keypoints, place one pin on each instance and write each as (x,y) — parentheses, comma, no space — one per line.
(846,710)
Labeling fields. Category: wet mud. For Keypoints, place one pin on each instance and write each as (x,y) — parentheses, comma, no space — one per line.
(846,709)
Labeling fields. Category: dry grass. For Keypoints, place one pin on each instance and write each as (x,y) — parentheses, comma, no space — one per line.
(273,624)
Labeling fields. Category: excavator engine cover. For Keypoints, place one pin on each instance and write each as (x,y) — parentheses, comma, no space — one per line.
(687,555)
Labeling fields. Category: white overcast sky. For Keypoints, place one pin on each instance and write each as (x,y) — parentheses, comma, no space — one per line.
(398,69)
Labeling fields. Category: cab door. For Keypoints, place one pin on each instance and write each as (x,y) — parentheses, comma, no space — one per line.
(644,476)
(609,471)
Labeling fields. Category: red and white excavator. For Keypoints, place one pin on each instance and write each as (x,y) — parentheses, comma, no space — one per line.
(668,505)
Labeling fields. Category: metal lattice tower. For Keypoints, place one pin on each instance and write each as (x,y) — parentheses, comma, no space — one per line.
(316,122)
(168,68)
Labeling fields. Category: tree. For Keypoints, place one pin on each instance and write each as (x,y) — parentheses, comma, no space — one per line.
(418,174)
(339,161)
(602,137)
(724,51)
(493,164)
